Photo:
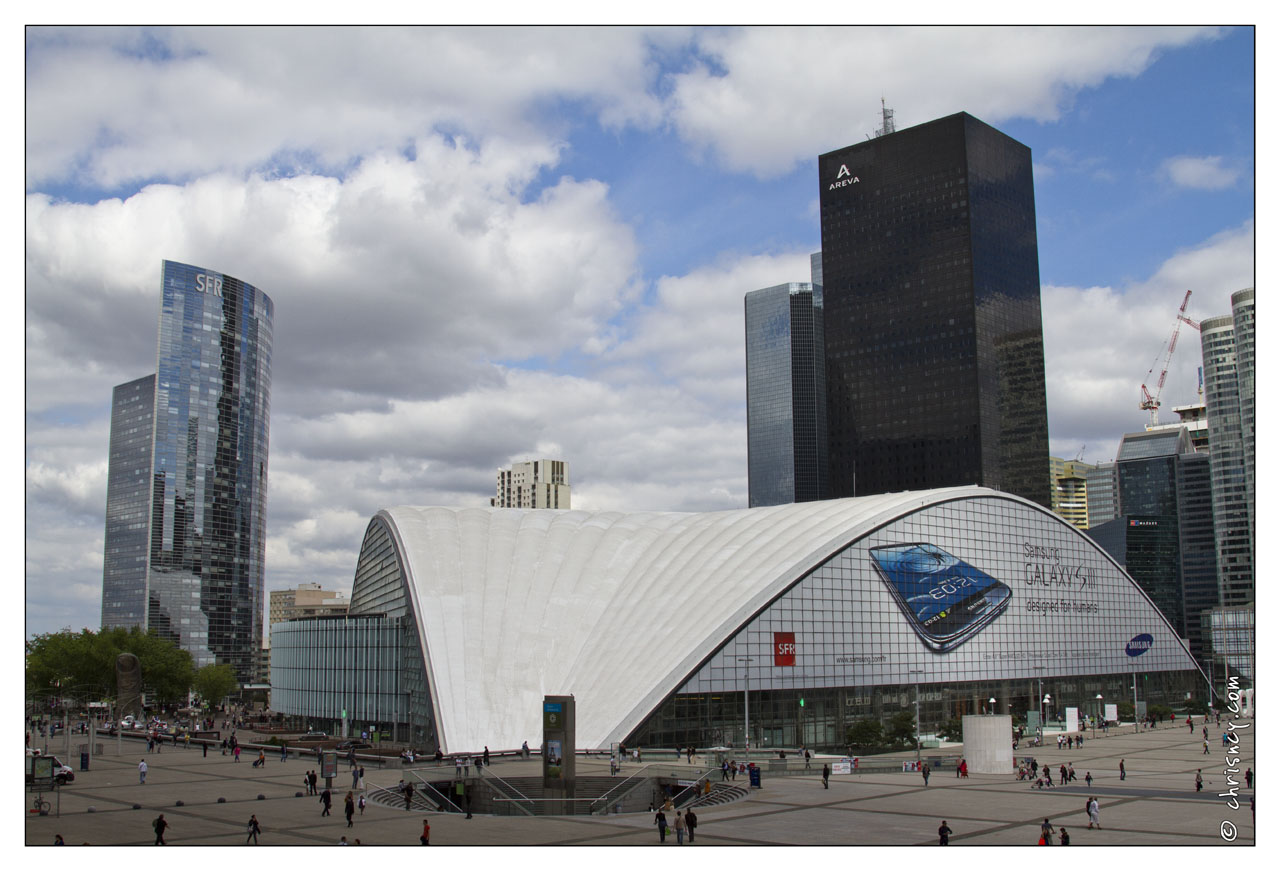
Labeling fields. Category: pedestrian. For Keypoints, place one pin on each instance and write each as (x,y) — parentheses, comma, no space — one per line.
(457,768)
(284,752)
(1063,838)
(1062,775)
(253,829)
(262,758)
(807,764)
(486,756)
(1046,833)
(691,820)
(408,795)
(1093,813)
(1071,772)
(958,764)
(425,838)
(1248,778)
(944,834)
(235,751)
(1199,781)
(360,804)
(159,825)
(349,808)
(314,781)
(342,842)
(924,772)
(326,799)
(142,771)
(224,746)
(524,749)
(826,774)
(204,749)
(58,842)
(1088,779)
(681,828)
(1122,769)
(1206,748)
(355,778)
(661,819)
(360,782)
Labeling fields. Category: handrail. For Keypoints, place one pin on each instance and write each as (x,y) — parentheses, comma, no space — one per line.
(447,800)
(519,797)
(605,799)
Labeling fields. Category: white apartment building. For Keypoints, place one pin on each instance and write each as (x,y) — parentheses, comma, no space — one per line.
(533,484)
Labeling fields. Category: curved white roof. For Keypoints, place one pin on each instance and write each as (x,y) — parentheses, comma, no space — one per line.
(614,608)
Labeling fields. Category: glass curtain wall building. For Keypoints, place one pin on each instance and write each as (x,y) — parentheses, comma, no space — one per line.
(786,395)
(1232,483)
(207,474)
(931,286)
(125,544)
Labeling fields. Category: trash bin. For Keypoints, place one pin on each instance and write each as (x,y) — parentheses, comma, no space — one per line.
(84,760)
(754,772)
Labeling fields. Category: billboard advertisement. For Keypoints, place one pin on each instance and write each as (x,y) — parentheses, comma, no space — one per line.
(973,589)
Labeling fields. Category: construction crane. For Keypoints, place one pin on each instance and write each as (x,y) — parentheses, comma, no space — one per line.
(1152,403)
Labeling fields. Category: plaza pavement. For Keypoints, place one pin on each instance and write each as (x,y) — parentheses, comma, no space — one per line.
(1156,804)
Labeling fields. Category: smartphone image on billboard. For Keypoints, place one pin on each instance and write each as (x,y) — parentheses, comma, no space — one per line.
(946,600)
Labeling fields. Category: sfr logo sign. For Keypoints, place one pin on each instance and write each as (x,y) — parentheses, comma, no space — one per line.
(784,648)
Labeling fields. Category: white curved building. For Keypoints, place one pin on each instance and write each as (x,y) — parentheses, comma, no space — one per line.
(657,622)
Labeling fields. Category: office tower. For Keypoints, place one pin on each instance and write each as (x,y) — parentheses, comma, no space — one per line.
(1102,493)
(934,347)
(1069,490)
(206,465)
(533,484)
(786,395)
(1196,420)
(1164,483)
(815,270)
(125,544)
(305,600)
(1229,379)
(1146,546)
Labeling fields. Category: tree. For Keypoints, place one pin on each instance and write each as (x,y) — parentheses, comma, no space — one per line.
(865,734)
(952,730)
(87,661)
(902,730)
(214,683)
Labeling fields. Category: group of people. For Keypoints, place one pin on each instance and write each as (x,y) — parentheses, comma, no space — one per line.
(685,823)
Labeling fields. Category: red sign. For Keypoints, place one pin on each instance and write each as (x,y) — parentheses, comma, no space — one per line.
(784,648)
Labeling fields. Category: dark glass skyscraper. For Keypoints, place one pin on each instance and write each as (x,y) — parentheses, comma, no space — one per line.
(786,395)
(201,516)
(931,286)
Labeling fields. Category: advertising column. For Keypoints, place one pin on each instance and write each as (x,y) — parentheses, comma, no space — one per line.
(558,761)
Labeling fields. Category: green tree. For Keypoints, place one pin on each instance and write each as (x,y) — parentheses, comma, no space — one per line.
(214,683)
(902,730)
(86,660)
(866,734)
(952,730)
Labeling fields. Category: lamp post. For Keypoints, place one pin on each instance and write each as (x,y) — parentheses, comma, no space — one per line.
(1099,716)
(917,671)
(746,707)
(1043,703)
(1135,702)
(991,706)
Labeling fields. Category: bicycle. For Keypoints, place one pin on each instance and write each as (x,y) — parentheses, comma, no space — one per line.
(41,806)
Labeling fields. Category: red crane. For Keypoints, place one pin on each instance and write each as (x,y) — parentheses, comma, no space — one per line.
(1152,403)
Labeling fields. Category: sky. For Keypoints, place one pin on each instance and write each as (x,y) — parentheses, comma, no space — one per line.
(487,245)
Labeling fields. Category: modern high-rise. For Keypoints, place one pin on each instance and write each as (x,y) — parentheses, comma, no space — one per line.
(931,289)
(1102,493)
(533,484)
(201,515)
(1069,490)
(1165,484)
(1227,346)
(786,395)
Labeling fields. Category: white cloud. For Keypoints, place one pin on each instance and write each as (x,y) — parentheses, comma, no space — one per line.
(752,104)
(1199,173)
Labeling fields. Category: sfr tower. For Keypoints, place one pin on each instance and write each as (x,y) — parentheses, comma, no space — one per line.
(933,340)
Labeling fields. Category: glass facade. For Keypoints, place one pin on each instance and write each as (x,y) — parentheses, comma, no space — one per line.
(786,395)
(124,558)
(1030,606)
(1101,492)
(1230,637)
(1231,515)
(933,338)
(207,470)
(322,666)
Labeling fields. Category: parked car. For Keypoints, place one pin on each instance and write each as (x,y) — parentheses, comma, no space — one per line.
(314,736)
(354,745)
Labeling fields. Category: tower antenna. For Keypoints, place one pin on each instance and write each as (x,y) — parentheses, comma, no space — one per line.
(886,120)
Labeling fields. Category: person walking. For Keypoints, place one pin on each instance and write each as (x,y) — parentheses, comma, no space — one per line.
(253,828)
(326,799)
(486,756)
(1063,838)
(1088,779)
(826,775)
(1199,781)
(681,828)
(235,751)
(355,778)
(1046,833)
(262,758)
(691,820)
(1093,813)
(1122,769)
(159,825)
(1248,778)
(1062,775)
(314,781)
(807,763)
(924,772)
(408,795)
(425,838)
(1206,748)
(360,804)
(142,771)
(944,834)
(204,749)
(349,808)
(661,819)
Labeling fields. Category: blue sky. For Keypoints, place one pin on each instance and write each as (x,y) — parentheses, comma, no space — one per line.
(486,245)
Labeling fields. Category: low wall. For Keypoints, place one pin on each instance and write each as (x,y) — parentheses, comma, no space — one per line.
(988,743)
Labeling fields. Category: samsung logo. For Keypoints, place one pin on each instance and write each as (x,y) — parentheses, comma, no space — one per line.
(1139,644)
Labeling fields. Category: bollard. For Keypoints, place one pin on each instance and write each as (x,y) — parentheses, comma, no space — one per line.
(221,800)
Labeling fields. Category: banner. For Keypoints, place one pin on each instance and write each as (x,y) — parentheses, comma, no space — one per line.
(1073,719)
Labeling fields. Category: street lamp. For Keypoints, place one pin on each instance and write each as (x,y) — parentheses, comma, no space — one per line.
(991,706)
(746,707)
(1044,703)
(1099,716)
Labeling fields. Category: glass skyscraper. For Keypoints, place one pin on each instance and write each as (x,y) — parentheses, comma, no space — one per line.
(786,395)
(1227,348)
(934,345)
(184,550)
